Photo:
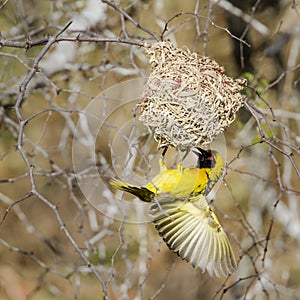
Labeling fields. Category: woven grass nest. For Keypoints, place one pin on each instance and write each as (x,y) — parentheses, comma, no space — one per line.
(187,100)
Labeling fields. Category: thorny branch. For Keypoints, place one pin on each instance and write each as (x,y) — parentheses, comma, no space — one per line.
(37,174)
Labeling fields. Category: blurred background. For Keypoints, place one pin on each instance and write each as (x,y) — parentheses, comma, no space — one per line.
(71,73)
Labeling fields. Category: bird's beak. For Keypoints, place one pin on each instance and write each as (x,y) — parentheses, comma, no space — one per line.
(201,152)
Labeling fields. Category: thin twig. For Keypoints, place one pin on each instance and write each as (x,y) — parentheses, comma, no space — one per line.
(128,17)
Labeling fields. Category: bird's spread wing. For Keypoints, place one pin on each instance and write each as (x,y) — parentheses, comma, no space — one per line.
(191,229)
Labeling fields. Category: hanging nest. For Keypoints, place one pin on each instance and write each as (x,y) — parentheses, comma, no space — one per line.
(188,100)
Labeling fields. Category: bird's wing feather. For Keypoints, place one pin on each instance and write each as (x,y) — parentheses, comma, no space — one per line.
(191,229)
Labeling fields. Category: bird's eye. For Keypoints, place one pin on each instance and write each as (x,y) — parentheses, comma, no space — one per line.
(211,161)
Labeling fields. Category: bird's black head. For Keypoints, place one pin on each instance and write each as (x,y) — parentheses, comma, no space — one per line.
(206,158)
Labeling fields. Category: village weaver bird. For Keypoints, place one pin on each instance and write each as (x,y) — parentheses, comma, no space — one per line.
(181,182)
(182,215)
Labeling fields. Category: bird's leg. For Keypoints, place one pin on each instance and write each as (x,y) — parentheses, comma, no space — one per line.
(165,148)
(186,152)
(162,165)
(180,167)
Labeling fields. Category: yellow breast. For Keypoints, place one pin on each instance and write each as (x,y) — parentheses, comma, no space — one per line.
(179,182)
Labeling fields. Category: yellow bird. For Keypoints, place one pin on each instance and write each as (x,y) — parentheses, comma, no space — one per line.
(180,182)
(182,215)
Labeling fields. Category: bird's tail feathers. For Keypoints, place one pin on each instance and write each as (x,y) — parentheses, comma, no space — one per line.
(141,192)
